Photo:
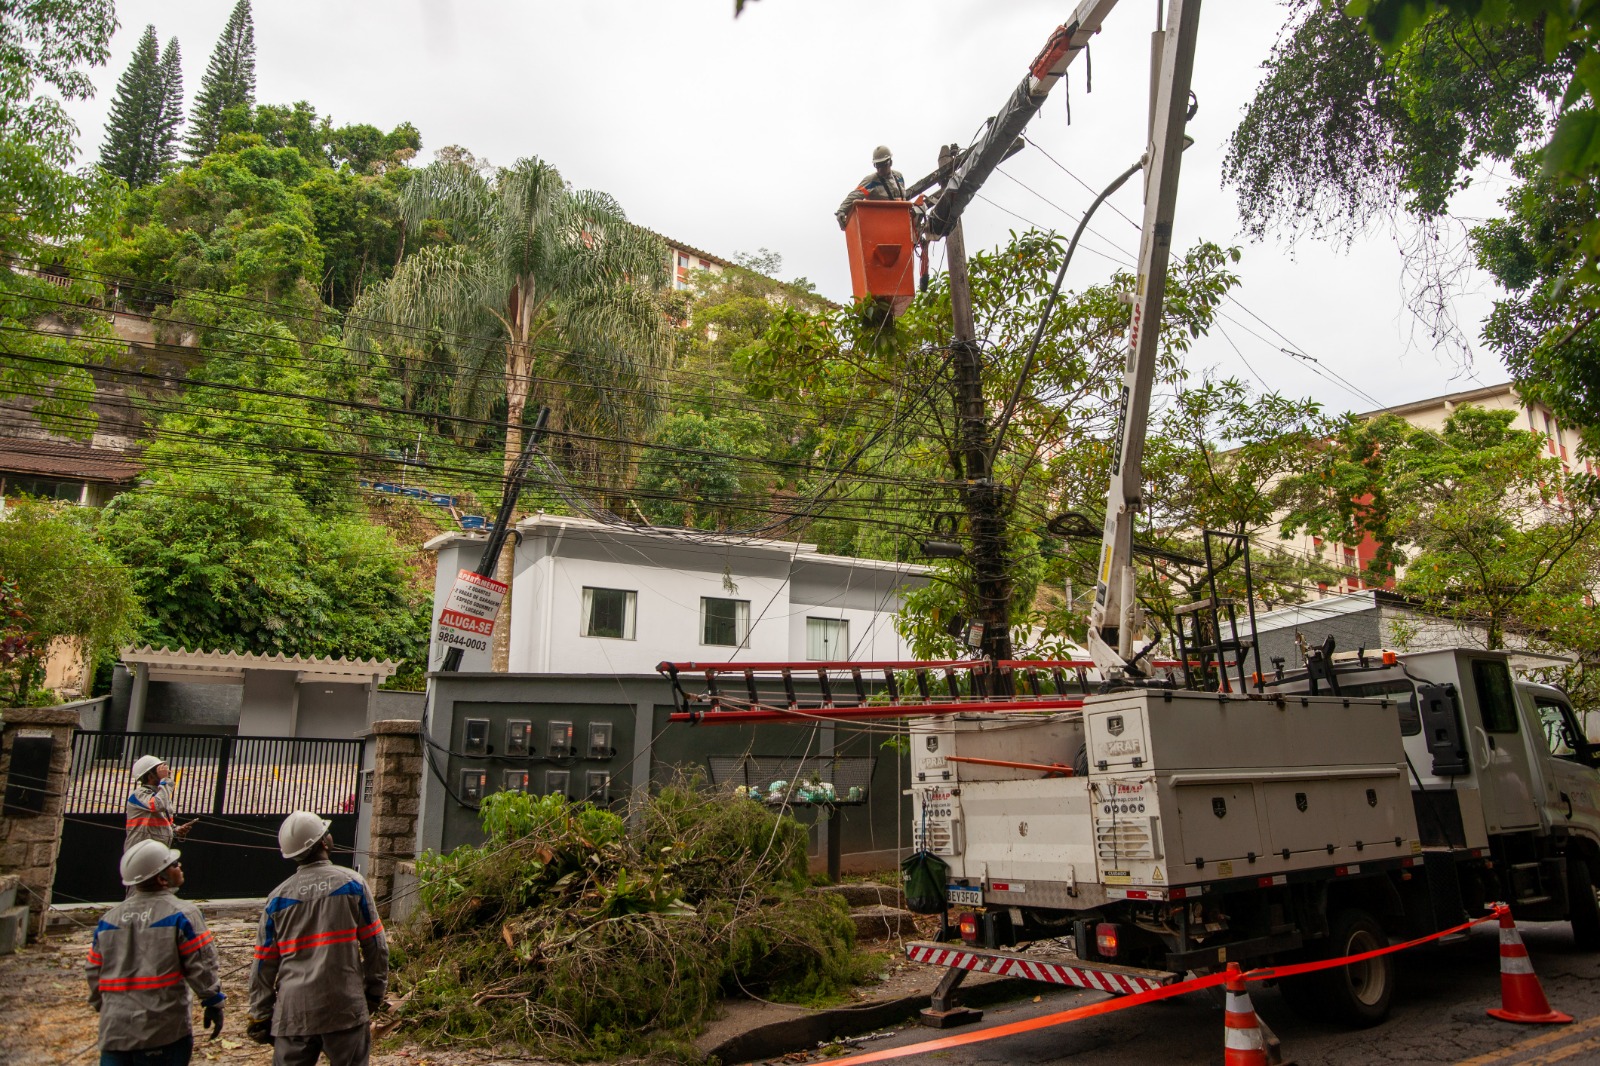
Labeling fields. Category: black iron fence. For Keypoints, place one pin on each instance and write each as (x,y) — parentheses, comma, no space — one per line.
(219,774)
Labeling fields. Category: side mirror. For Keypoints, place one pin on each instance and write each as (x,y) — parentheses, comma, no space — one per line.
(1441,727)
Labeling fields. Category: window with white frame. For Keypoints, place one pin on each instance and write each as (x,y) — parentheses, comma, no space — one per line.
(724,622)
(827,638)
(609,612)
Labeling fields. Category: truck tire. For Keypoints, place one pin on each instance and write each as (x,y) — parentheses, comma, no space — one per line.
(1583,903)
(1359,994)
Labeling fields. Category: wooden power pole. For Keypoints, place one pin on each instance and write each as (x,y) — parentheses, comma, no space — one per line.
(981,496)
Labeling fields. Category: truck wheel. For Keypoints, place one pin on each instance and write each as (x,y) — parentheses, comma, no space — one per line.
(1583,902)
(1358,994)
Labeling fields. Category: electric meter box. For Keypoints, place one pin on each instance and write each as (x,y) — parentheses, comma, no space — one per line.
(584,751)
(600,746)
(475,738)
(519,736)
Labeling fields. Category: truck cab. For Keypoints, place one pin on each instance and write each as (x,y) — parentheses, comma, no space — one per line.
(1496,764)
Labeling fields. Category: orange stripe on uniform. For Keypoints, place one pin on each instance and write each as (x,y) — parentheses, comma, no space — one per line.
(189,947)
(140,984)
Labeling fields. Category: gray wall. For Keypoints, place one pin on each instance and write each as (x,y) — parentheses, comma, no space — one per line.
(1350,631)
(649,751)
(267,704)
(393,705)
(332,710)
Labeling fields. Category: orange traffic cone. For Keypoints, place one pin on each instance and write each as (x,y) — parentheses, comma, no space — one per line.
(1243,1042)
(1521,997)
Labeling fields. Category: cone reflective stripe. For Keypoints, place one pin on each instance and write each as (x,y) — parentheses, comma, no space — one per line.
(1243,1042)
(1521,997)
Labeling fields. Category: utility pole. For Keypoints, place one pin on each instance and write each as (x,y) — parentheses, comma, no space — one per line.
(981,496)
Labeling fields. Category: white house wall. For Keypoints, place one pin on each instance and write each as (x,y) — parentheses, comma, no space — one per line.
(785,584)
(668,584)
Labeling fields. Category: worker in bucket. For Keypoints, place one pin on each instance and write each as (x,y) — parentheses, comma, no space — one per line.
(150,814)
(322,962)
(148,953)
(884,183)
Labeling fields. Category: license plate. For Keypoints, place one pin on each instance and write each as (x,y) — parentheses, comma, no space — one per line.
(965,897)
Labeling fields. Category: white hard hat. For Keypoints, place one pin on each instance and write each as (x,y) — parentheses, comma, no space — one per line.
(144,764)
(146,859)
(881,154)
(300,832)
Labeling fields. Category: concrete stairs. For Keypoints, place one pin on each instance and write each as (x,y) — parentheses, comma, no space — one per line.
(13,916)
(878,910)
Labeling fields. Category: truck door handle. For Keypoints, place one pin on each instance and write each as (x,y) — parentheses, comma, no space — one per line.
(1568,801)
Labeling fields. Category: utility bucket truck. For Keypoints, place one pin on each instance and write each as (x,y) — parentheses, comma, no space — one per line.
(1215,816)
(1389,797)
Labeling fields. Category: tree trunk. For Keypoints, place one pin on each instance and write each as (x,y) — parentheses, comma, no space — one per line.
(518,373)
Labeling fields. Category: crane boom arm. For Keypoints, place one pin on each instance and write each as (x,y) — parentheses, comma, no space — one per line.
(1116,623)
(995,141)
(1115,620)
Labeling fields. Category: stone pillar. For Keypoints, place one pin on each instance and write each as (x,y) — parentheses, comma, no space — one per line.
(396,800)
(29,841)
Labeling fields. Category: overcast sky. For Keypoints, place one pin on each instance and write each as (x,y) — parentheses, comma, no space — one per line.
(733,135)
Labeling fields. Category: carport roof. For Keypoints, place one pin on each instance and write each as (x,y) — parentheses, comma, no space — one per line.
(179,664)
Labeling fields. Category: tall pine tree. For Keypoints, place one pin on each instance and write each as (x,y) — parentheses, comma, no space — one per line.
(230,81)
(131,149)
(171,105)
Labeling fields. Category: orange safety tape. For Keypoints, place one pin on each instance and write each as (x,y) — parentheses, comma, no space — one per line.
(1107,1006)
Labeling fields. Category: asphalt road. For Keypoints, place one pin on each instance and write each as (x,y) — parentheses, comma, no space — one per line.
(1438,1017)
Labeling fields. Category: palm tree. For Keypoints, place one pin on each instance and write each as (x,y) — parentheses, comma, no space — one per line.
(561,281)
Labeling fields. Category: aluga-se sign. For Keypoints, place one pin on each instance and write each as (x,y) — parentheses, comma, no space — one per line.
(467,619)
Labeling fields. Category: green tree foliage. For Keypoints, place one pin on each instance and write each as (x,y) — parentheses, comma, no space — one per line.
(1489,528)
(257,221)
(363,148)
(237,222)
(229,82)
(1384,108)
(132,149)
(170,125)
(20,668)
(1341,132)
(227,557)
(1054,454)
(560,278)
(72,586)
(247,535)
(692,474)
(1545,326)
(47,44)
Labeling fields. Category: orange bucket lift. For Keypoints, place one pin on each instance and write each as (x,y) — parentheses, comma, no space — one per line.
(882,241)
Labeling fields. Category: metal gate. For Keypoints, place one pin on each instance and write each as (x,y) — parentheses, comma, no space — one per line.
(237,789)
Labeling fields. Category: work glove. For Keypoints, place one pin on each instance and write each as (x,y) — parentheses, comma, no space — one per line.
(212,1020)
(259,1030)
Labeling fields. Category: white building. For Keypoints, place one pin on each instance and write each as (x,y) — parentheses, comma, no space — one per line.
(1560,442)
(591,598)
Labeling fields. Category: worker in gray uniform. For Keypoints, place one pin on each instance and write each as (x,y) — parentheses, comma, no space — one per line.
(884,183)
(322,962)
(149,810)
(148,953)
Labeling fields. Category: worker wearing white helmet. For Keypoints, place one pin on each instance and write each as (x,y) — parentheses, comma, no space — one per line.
(884,183)
(150,814)
(148,953)
(322,962)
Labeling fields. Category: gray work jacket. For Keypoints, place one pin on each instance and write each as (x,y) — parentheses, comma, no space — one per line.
(149,815)
(322,962)
(872,187)
(147,953)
